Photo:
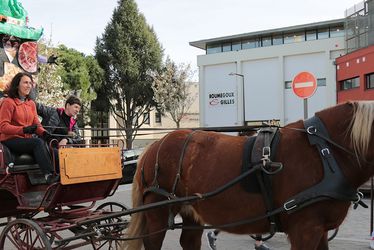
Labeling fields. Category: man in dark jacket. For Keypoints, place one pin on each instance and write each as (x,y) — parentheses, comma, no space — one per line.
(61,122)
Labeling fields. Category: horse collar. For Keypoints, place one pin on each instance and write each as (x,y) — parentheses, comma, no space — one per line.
(334,184)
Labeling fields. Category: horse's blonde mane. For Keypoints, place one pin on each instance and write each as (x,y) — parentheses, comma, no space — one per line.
(361,126)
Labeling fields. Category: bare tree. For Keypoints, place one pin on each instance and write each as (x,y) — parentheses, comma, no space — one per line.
(171,90)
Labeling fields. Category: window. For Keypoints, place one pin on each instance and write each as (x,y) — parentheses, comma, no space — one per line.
(288,38)
(299,37)
(158,117)
(226,47)
(321,82)
(236,46)
(288,84)
(323,33)
(350,83)
(294,37)
(249,44)
(266,41)
(311,35)
(370,81)
(146,118)
(277,40)
(337,31)
(363,40)
(213,48)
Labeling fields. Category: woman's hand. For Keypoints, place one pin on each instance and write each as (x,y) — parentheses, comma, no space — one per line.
(30,129)
(63,142)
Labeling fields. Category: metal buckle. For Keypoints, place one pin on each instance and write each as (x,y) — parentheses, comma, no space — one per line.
(325,151)
(265,155)
(266,152)
(288,202)
(311,130)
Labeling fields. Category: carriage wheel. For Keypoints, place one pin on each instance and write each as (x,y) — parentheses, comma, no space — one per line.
(24,234)
(332,233)
(113,231)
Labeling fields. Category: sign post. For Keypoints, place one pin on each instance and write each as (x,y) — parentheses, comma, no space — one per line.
(304,85)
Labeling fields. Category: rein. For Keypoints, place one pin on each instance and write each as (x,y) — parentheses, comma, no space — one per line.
(313,131)
(302,199)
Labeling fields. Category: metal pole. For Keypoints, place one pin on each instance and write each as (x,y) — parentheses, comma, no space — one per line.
(243,98)
(305,108)
(371,205)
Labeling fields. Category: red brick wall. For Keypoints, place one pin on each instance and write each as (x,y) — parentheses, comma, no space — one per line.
(358,63)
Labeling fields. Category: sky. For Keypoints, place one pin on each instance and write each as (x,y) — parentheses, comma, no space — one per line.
(77,23)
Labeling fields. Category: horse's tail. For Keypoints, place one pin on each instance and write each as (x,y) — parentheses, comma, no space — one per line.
(137,223)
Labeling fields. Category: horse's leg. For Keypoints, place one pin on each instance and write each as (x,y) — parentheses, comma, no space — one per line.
(190,239)
(156,224)
(323,243)
(306,238)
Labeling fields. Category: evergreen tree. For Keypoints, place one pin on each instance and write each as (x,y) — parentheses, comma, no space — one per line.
(129,52)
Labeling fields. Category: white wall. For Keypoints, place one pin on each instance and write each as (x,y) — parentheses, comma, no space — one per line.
(219,110)
(262,88)
(265,70)
(314,63)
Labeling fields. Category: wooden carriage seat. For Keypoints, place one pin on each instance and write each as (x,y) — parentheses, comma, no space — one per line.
(80,165)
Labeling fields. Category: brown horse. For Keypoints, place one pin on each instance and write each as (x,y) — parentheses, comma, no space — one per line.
(209,160)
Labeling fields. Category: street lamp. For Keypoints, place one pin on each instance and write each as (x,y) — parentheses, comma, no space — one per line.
(243,97)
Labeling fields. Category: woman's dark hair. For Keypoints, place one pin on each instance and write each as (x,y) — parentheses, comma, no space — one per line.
(12,91)
(73,100)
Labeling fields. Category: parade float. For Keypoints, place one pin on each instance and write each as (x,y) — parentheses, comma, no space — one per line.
(18,47)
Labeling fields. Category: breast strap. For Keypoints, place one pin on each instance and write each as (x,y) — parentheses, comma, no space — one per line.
(334,184)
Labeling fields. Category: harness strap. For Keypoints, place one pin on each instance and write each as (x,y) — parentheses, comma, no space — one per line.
(180,164)
(333,184)
(155,186)
(159,191)
(264,145)
(157,166)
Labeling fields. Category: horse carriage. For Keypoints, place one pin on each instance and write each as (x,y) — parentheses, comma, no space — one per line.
(307,173)
(36,215)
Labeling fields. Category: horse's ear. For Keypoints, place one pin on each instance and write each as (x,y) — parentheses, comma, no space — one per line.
(351,103)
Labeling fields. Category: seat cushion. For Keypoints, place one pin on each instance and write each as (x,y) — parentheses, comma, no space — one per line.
(24,159)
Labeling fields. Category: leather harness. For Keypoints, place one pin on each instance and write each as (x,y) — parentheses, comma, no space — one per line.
(332,186)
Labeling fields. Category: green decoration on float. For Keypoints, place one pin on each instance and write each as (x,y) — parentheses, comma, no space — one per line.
(13,21)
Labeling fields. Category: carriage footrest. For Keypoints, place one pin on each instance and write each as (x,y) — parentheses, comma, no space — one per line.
(33,199)
(36,177)
(23,168)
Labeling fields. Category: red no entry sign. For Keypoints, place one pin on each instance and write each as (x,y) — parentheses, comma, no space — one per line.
(304,85)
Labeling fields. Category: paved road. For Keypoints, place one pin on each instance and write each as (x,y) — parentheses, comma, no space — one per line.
(353,234)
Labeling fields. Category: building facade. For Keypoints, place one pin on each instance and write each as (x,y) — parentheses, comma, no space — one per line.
(355,75)
(247,78)
(355,70)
